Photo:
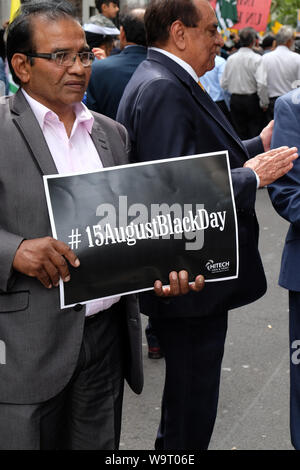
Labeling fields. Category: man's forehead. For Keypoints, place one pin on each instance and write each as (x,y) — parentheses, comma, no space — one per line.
(209,22)
(53,31)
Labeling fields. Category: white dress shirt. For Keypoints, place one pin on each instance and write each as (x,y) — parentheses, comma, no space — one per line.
(283,69)
(179,61)
(74,154)
(244,74)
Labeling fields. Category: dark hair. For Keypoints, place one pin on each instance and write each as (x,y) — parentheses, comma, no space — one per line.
(134,26)
(160,14)
(20,33)
(99,3)
(268,41)
(247,36)
(98,40)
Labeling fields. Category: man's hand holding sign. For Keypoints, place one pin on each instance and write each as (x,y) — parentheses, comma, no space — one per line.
(47,259)
(179,285)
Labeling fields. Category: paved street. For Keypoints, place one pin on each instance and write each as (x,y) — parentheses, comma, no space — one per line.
(253,409)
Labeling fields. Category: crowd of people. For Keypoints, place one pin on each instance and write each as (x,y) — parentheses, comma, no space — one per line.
(162,84)
(255,75)
(250,73)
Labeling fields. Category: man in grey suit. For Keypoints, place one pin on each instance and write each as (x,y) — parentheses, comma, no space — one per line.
(61,371)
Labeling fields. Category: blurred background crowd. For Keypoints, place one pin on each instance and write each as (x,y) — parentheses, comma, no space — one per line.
(252,70)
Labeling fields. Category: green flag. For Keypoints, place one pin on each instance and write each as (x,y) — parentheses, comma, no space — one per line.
(226,11)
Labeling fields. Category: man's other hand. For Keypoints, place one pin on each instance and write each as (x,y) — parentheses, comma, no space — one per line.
(179,285)
(99,53)
(45,258)
(266,135)
(271,165)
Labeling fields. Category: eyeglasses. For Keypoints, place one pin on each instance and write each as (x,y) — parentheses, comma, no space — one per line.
(65,59)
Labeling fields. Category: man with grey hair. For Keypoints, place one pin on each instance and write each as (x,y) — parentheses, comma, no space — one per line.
(282,67)
(245,79)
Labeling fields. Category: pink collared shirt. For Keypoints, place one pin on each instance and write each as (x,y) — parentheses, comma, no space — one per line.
(73,154)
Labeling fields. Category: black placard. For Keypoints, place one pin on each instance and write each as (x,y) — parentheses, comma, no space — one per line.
(133,224)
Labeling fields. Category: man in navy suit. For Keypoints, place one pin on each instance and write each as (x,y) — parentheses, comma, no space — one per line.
(167,114)
(285,195)
(111,75)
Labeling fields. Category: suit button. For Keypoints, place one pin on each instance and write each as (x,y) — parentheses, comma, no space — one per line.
(78,307)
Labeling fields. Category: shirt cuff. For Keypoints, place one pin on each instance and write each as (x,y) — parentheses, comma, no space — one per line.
(257,179)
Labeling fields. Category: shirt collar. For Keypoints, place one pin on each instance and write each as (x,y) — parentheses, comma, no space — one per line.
(44,114)
(282,47)
(179,61)
(244,49)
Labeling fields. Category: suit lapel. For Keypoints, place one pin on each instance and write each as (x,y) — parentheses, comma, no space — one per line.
(202,98)
(100,140)
(211,108)
(27,124)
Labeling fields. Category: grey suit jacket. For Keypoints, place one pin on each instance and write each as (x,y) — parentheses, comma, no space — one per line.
(41,341)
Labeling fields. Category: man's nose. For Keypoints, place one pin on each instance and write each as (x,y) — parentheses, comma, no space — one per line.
(77,65)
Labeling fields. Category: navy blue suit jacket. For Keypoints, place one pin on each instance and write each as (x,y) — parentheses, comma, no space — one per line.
(109,78)
(285,192)
(168,115)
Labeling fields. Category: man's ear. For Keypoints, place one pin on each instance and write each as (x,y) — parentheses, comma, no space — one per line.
(21,66)
(123,39)
(177,34)
(104,8)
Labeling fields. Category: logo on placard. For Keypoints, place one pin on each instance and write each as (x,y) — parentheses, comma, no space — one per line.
(219,267)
